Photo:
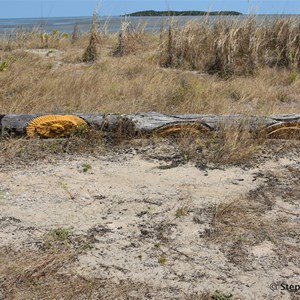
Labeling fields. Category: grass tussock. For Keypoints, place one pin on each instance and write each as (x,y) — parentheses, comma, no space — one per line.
(233,144)
(90,55)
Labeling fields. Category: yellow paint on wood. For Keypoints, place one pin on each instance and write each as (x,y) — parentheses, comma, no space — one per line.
(284,130)
(52,126)
(182,129)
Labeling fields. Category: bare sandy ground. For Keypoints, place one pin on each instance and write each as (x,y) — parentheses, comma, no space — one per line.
(153,224)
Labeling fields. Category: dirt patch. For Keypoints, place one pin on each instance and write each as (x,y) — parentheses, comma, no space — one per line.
(125,225)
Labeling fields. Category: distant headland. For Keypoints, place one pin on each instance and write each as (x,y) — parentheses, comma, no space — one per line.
(153,13)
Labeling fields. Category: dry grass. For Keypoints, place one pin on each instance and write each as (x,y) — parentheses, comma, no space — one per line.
(90,55)
(233,144)
(33,274)
(55,80)
(44,275)
(22,150)
(239,225)
(232,47)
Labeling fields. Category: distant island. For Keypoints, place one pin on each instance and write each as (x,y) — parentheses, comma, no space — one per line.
(153,13)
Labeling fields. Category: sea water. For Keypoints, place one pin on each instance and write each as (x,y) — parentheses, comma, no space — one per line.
(109,24)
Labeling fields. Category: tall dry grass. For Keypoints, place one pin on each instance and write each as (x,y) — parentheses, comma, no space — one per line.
(232,47)
(91,54)
(131,39)
(53,79)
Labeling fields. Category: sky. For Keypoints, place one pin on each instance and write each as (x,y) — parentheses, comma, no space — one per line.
(65,8)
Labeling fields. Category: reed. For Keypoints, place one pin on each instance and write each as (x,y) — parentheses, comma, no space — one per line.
(91,54)
(232,47)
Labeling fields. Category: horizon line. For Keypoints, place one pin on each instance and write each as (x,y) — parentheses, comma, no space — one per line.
(87,16)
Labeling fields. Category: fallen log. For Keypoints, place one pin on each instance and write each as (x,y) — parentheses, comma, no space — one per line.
(274,126)
(149,122)
(14,125)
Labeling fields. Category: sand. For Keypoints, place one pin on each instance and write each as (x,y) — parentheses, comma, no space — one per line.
(148,222)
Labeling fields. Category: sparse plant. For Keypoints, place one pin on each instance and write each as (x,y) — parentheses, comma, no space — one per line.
(221,296)
(121,47)
(65,35)
(162,260)
(182,212)
(157,245)
(44,40)
(66,189)
(56,32)
(86,167)
(293,77)
(3,65)
(59,234)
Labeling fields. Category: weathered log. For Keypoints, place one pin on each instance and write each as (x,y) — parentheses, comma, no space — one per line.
(95,121)
(217,121)
(16,124)
(274,126)
(152,121)
(286,118)
(280,126)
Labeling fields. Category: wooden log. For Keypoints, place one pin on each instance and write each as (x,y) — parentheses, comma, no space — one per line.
(217,121)
(155,122)
(286,118)
(281,126)
(119,126)
(15,125)
(95,121)
(150,122)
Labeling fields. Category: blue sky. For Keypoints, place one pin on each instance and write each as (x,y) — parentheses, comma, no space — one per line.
(56,8)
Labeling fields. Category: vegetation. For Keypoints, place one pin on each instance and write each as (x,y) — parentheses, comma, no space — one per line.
(221,296)
(86,167)
(153,13)
(3,65)
(90,55)
(181,70)
(162,260)
(182,212)
(231,47)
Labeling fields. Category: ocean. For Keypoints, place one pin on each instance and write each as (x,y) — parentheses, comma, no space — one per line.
(109,24)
